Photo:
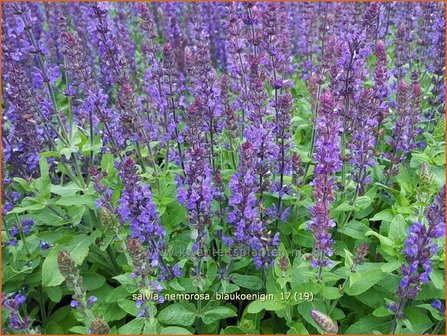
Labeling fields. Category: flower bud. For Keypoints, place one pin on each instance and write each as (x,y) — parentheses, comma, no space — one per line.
(66,264)
(425,178)
(324,321)
(99,327)
(108,219)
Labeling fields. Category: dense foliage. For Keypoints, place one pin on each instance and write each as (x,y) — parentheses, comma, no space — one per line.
(223,168)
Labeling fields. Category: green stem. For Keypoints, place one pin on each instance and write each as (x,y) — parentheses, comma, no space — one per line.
(22,236)
(43,313)
(438,327)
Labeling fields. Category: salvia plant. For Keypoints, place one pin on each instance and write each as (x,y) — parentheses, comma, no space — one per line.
(223,168)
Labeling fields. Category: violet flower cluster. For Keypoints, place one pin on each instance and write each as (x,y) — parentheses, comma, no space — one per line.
(420,246)
(244,217)
(328,161)
(12,303)
(195,189)
(74,281)
(138,208)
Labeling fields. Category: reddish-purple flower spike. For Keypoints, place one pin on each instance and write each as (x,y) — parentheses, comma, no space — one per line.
(328,162)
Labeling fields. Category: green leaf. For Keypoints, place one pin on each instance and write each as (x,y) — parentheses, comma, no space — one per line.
(348,260)
(50,271)
(134,327)
(79,247)
(354,229)
(331,293)
(175,331)
(43,165)
(88,200)
(297,328)
(434,312)
(151,327)
(398,228)
(368,325)
(384,215)
(127,281)
(66,190)
(370,274)
(79,330)
(107,162)
(54,293)
(217,313)
(344,207)
(247,281)
(96,148)
(385,243)
(23,183)
(76,213)
(258,305)
(178,314)
(28,208)
(92,280)
(382,311)
(438,279)
(128,306)
(362,202)
(232,330)
(67,151)
(420,322)
(390,266)
(9,274)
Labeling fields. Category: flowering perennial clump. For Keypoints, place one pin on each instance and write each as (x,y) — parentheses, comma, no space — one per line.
(223,167)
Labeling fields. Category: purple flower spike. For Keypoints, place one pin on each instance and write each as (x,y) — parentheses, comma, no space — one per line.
(328,161)
(419,247)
